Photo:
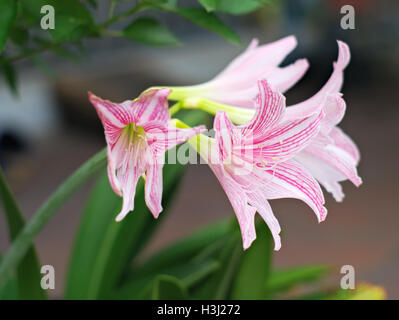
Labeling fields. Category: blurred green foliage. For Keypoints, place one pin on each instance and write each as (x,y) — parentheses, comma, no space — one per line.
(21,35)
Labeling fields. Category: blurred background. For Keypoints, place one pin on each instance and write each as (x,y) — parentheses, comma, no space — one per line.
(51,128)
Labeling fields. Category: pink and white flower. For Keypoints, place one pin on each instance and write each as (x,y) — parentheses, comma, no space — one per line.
(332,156)
(254,162)
(236,84)
(138,133)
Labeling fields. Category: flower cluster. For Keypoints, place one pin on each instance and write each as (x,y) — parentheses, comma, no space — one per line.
(261,149)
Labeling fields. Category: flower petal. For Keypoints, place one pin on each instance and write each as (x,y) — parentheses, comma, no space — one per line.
(327,176)
(114,116)
(333,85)
(151,105)
(270,108)
(336,158)
(129,160)
(256,59)
(283,78)
(290,180)
(153,188)
(112,174)
(344,142)
(223,134)
(257,200)
(283,142)
(245,213)
(334,109)
(161,138)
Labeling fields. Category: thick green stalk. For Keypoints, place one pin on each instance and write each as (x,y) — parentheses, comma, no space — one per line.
(25,238)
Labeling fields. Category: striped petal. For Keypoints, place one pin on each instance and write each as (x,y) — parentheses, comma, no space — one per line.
(151,105)
(153,187)
(290,180)
(283,142)
(336,158)
(257,200)
(270,108)
(130,164)
(223,134)
(239,201)
(114,116)
(161,138)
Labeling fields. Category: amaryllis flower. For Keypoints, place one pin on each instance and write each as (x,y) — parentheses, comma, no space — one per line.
(254,162)
(332,156)
(138,133)
(236,84)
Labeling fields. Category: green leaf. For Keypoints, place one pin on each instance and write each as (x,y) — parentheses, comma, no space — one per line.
(163,4)
(285,279)
(10,76)
(8,13)
(209,21)
(209,5)
(254,268)
(237,7)
(218,286)
(151,32)
(168,287)
(185,249)
(19,35)
(28,271)
(103,247)
(10,291)
(24,240)
(72,19)
(189,273)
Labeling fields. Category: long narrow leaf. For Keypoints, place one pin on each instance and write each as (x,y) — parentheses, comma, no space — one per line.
(254,267)
(25,238)
(28,272)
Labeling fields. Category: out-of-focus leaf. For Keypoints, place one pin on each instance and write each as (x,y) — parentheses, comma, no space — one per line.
(164,4)
(10,76)
(72,19)
(185,249)
(189,273)
(238,6)
(19,35)
(103,247)
(285,279)
(151,32)
(10,291)
(235,7)
(92,3)
(364,291)
(209,21)
(8,12)
(209,5)
(219,284)
(166,287)
(254,268)
(28,272)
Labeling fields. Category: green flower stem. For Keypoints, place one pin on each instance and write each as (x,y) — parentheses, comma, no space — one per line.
(236,114)
(175,108)
(25,238)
